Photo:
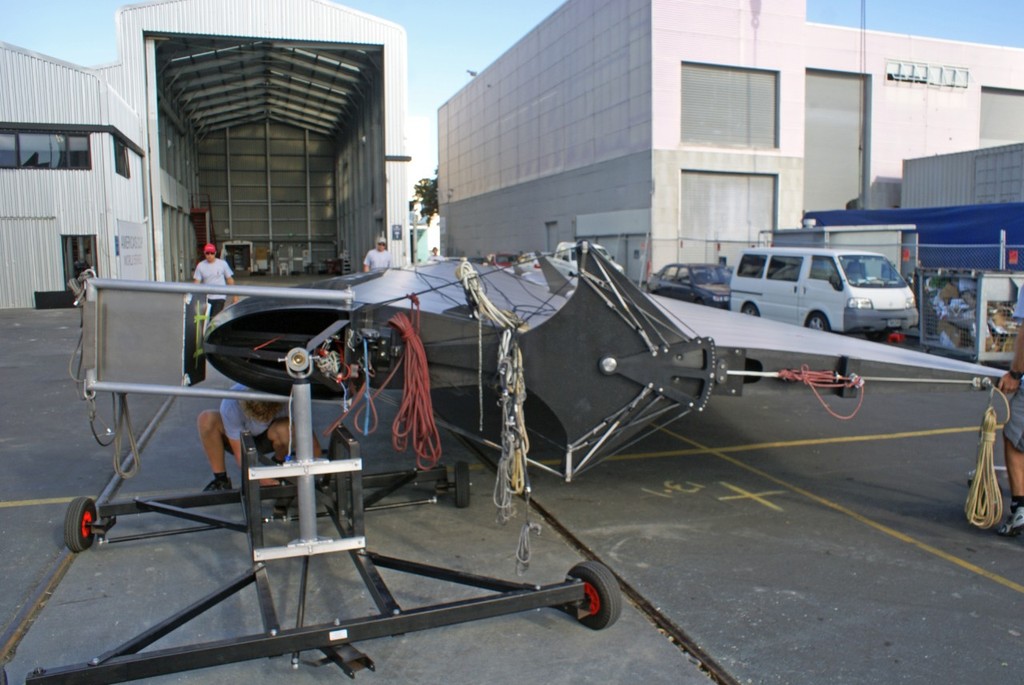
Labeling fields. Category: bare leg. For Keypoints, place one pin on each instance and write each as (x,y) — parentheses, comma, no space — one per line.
(211,435)
(1014,459)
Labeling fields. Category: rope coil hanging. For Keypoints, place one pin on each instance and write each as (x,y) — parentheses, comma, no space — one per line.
(415,417)
(984,505)
(511,478)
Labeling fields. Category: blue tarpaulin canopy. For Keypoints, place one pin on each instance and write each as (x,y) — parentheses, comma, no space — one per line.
(966,225)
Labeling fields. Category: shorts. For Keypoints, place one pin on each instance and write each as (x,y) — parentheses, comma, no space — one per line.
(263,444)
(1013,431)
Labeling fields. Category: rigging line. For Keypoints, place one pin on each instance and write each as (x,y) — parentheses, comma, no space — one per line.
(543,307)
(672,315)
(658,323)
(507,302)
(439,289)
(380,305)
(624,311)
(544,302)
(653,321)
(974,381)
(648,316)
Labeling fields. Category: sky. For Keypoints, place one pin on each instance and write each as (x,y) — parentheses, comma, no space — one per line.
(448,38)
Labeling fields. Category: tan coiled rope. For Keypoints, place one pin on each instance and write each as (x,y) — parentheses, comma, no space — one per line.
(984,506)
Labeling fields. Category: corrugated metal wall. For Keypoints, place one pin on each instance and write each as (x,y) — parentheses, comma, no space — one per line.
(30,259)
(42,90)
(39,90)
(313,20)
(994,174)
(38,206)
(272,184)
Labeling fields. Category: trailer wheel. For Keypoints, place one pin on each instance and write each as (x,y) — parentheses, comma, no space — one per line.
(602,602)
(461,484)
(78,520)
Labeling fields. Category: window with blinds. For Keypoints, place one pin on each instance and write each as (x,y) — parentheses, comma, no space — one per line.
(729,106)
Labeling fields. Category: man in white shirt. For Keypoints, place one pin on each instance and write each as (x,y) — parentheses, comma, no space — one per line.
(379,258)
(213,271)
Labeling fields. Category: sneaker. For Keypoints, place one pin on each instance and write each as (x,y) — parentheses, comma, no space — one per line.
(218,484)
(1014,525)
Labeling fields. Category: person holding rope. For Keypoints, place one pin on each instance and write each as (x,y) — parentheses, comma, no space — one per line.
(1013,431)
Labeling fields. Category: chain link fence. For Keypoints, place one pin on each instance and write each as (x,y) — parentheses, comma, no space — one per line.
(909,257)
(966,293)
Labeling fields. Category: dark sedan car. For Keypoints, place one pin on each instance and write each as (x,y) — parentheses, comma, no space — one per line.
(701,283)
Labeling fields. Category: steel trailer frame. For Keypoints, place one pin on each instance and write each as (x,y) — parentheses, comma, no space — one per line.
(590,592)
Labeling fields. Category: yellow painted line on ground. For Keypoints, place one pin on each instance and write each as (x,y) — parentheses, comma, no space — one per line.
(809,442)
(891,532)
(758,497)
(34,502)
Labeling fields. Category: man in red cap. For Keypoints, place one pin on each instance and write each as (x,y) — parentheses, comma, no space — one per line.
(213,271)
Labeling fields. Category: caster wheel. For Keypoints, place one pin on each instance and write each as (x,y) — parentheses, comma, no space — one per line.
(461,484)
(78,520)
(602,602)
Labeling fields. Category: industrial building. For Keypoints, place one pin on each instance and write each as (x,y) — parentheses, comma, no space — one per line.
(682,130)
(274,128)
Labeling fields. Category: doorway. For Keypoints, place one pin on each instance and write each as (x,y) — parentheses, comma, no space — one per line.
(79,254)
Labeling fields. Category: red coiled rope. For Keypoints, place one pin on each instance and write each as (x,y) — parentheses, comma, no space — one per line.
(826,379)
(415,417)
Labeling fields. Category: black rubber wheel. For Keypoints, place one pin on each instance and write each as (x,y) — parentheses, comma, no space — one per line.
(78,520)
(818,322)
(461,484)
(603,598)
(750,309)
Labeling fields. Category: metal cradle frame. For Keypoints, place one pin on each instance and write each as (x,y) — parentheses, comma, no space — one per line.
(589,592)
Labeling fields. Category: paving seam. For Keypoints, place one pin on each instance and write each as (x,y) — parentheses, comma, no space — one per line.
(675,635)
(55,574)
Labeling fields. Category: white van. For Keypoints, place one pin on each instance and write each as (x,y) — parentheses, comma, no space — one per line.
(847,291)
(564,258)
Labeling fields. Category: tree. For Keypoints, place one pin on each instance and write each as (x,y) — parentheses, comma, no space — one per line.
(426,192)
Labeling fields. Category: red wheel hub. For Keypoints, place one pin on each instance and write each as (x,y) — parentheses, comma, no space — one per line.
(593,598)
(86,524)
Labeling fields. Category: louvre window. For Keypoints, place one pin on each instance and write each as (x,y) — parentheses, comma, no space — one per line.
(932,74)
(729,107)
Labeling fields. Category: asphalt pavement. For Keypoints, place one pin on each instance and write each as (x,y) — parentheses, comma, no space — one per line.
(789,546)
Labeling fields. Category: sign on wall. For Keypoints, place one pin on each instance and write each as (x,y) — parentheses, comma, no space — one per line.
(131,251)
